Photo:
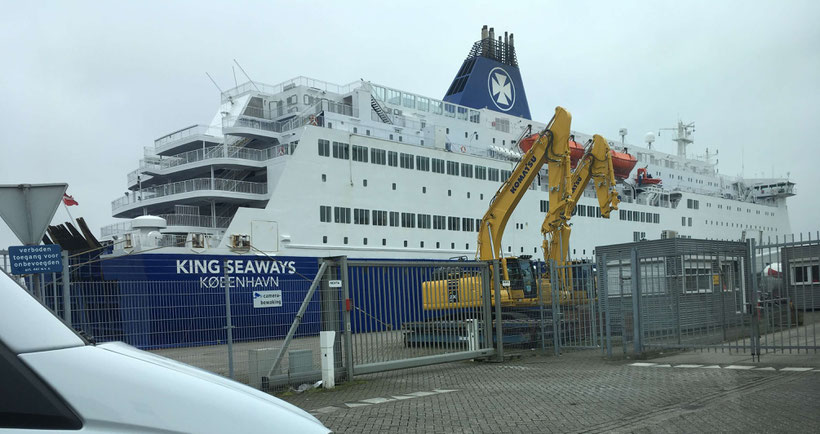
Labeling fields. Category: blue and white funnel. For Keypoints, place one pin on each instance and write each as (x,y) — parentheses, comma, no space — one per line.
(489,77)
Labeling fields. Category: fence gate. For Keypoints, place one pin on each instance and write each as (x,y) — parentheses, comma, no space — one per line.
(576,316)
(414,313)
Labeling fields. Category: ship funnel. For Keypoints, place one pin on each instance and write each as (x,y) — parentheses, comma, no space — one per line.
(489,77)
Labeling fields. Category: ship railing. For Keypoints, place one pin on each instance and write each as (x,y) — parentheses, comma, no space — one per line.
(161,143)
(115,229)
(306,117)
(190,185)
(202,221)
(273,89)
(214,152)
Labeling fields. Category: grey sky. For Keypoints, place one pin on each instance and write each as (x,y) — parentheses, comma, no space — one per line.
(85,86)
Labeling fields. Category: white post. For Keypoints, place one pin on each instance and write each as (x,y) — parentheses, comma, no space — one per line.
(326,341)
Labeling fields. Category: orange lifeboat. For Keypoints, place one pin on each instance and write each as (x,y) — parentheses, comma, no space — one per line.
(622,164)
(644,178)
(576,150)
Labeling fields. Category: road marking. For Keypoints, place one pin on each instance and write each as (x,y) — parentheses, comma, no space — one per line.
(378,400)
(732,367)
(355,404)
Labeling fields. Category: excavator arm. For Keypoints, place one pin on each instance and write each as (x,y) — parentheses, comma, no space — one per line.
(555,135)
(566,189)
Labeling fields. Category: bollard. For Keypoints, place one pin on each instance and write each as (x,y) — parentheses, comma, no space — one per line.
(327,339)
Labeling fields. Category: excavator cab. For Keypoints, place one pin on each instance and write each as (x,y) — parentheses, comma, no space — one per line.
(521,277)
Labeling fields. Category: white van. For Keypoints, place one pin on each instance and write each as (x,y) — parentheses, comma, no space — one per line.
(52,379)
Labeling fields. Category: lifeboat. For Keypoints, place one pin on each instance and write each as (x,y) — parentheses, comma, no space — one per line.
(576,150)
(644,178)
(622,164)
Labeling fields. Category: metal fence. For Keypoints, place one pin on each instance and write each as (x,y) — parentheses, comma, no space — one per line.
(709,296)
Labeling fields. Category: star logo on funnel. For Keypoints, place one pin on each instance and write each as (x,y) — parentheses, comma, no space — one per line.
(502,89)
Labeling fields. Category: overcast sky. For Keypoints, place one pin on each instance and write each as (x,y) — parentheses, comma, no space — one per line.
(86,85)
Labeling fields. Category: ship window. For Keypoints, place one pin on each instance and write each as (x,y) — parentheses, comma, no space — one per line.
(509,248)
(423,163)
(393,158)
(355,131)
(424,221)
(364,241)
(364,182)
(467,224)
(480,172)
(449,110)
(505,175)
(481,196)
(359,153)
(657,218)
(468,195)
(477,225)
(492,174)
(421,244)
(330,125)
(324,177)
(462,113)
(394,218)
(683,221)
(422,103)
(324,148)
(345,240)
(582,211)
(324,213)
(466,135)
(324,239)
(422,142)
(466,170)
(406,160)
(544,206)
(361,216)
(622,214)
(408,220)
(367,132)
(378,156)
(438,244)
(439,222)
(453,223)
(391,137)
(475,116)
(341,150)
(447,130)
(452,168)
(405,243)
(341,214)
(449,192)
(690,221)
(400,138)
(438,165)
(409,100)
(424,189)
(384,241)
(379,218)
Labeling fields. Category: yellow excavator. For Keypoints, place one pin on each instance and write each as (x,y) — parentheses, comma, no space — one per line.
(518,275)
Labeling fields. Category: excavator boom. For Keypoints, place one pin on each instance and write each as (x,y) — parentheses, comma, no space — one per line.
(554,139)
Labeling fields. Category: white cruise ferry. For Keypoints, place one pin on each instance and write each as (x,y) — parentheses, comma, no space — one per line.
(306,168)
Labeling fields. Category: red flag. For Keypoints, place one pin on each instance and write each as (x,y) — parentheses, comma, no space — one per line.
(68,200)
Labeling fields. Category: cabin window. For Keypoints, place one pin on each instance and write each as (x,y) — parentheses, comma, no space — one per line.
(324,213)
(324,148)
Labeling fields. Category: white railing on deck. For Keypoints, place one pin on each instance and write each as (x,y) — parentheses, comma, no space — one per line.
(190,185)
(274,89)
(177,135)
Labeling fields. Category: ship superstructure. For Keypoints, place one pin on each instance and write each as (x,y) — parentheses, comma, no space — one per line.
(309,168)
